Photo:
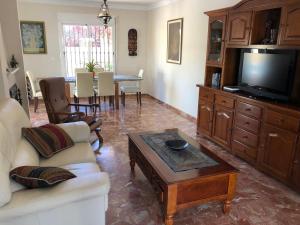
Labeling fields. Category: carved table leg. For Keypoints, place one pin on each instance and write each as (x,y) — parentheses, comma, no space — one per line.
(170,203)
(169,220)
(227,206)
(231,191)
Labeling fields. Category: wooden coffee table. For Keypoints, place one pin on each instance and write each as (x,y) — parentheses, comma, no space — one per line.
(181,190)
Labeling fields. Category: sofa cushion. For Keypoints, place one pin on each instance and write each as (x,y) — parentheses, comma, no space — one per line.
(5,189)
(79,153)
(48,139)
(40,177)
(78,131)
(13,117)
(5,164)
(86,185)
(25,155)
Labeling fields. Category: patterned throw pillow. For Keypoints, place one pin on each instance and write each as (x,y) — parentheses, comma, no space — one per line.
(48,139)
(40,177)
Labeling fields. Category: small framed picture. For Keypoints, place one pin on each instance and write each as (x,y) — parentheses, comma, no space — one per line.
(175,33)
(33,37)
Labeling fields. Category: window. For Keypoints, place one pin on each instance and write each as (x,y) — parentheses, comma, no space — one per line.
(84,43)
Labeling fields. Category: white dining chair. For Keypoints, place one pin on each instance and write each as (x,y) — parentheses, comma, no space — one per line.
(133,87)
(32,90)
(80,70)
(98,70)
(84,87)
(106,87)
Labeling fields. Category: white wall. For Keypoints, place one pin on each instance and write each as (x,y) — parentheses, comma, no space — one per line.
(50,64)
(170,83)
(11,38)
(4,83)
(176,84)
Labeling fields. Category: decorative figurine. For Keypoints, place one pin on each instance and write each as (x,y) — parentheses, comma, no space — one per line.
(270,33)
(13,62)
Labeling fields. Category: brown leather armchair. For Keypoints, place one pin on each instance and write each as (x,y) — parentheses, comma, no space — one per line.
(59,109)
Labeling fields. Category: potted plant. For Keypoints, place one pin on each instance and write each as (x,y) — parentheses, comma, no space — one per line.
(90,66)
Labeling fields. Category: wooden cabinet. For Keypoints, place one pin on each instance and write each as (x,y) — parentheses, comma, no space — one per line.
(239,27)
(205,118)
(216,40)
(222,127)
(262,132)
(295,177)
(290,29)
(277,150)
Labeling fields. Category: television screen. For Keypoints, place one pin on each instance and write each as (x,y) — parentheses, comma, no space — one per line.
(267,71)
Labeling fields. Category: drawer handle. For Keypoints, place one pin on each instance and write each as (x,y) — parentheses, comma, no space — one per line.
(245,137)
(248,110)
(273,135)
(247,123)
(224,101)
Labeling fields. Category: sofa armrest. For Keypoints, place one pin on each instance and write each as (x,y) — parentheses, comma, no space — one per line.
(78,131)
(38,200)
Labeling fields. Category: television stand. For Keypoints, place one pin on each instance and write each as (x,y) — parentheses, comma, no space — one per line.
(260,131)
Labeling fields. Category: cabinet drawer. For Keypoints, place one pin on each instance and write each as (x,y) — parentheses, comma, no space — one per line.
(246,123)
(244,151)
(224,101)
(206,95)
(249,110)
(282,121)
(245,137)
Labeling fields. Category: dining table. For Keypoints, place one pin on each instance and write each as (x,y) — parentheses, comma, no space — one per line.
(117,79)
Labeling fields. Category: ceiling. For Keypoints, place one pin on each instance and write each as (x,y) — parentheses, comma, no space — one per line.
(134,4)
(145,2)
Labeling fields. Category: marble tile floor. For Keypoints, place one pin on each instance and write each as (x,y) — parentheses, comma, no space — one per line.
(260,200)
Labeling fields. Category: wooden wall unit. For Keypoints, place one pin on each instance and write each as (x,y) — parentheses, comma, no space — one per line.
(290,29)
(263,133)
(239,27)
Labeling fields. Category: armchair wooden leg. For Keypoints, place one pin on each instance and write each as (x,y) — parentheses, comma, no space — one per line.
(100,138)
(137,98)
(36,103)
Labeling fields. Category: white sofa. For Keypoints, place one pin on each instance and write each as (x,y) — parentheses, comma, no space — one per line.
(79,201)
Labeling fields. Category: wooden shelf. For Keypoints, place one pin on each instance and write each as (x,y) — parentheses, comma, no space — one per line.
(12,71)
(260,21)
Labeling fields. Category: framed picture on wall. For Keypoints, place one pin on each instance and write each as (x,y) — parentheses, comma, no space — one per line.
(33,37)
(174,49)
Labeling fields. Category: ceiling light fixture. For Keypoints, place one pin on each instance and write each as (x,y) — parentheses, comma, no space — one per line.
(104,15)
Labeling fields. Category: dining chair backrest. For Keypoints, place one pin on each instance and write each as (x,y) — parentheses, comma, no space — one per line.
(29,75)
(141,73)
(84,85)
(106,86)
(80,70)
(98,70)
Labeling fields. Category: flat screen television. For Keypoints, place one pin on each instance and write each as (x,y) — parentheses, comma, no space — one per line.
(267,73)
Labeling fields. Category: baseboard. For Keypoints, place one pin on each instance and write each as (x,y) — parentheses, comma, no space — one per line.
(178,111)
